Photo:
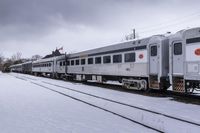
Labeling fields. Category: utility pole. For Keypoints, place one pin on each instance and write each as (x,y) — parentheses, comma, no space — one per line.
(133,33)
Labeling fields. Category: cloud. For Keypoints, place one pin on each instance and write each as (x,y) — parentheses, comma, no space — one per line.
(38,26)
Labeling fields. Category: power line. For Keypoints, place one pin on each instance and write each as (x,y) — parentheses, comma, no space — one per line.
(168,21)
(168,25)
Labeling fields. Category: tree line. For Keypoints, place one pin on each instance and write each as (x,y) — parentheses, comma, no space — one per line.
(16,58)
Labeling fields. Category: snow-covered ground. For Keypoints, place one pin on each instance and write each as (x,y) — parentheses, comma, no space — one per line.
(28,108)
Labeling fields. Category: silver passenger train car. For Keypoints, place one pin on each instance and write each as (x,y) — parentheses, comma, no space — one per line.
(16,68)
(185,60)
(138,64)
(55,66)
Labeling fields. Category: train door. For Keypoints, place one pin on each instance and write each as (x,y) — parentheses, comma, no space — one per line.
(54,67)
(177,56)
(154,68)
(154,62)
(177,66)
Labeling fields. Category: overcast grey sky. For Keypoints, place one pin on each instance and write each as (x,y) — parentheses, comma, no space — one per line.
(39,26)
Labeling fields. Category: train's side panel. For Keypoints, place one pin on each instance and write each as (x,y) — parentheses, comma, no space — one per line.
(192,55)
(27,67)
(131,69)
(193,61)
(60,62)
(60,66)
(43,69)
(43,66)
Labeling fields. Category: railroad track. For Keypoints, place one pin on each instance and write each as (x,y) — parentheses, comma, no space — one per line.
(101,108)
(121,103)
(125,104)
(182,97)
(111,101)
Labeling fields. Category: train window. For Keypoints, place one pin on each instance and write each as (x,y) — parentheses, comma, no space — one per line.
(130,57)
(64,63)
(77,62)
(72,62)
(153,50)
(50,64)
(193,40)
(177,48)
(98,60)
(90,60)
(82,61)
(61,63)
(117,58)
(106,59)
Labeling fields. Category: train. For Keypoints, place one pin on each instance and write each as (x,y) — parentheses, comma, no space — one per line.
(155,62)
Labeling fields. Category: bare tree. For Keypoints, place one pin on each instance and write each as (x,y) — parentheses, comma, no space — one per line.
(36,57)
(16,56)
(1,61)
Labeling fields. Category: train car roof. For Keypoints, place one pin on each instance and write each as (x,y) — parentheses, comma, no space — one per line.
(44,60)
(184,33)
(118,46)
(16,65)
(28,62)
(61,57)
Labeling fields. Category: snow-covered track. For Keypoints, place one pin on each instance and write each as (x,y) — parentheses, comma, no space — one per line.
(113,101)
(98,107)
(125,104)
(149,119)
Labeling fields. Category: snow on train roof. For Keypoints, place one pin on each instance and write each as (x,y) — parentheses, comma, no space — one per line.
(184,33)
(16,65)
(27,62)
(50,59)
(44,60)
